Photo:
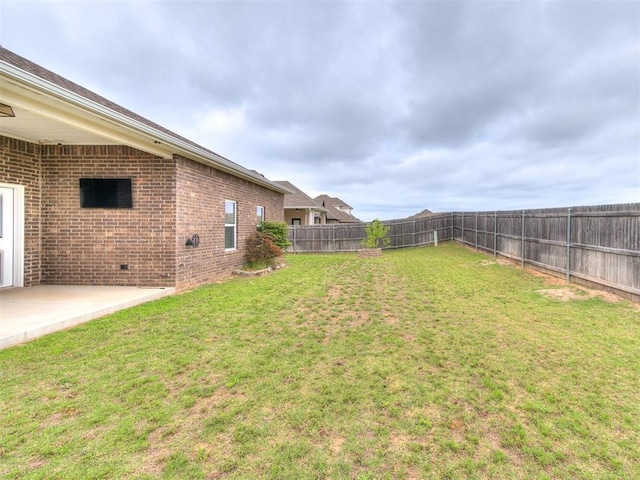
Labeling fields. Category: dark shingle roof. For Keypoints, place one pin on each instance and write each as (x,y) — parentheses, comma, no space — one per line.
(297,199)
(424,213)
(331,203)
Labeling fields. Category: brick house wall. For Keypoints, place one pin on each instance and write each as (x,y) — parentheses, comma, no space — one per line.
(172,199)
(87,245)
(20,165)
(201,194)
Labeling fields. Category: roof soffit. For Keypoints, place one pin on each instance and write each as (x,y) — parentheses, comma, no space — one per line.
(30,93)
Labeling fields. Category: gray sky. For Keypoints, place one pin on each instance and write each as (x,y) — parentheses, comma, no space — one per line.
(393,106)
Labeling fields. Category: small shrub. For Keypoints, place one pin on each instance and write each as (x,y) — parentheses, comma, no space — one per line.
(376,235)
(261,251)
(278,231)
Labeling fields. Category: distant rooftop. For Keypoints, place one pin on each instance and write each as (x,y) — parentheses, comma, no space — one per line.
(298,199)
(336,208)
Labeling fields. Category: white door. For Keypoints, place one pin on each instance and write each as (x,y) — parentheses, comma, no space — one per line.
(6,237)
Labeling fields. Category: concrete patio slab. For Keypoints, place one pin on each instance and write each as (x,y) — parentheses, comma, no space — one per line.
(29,313)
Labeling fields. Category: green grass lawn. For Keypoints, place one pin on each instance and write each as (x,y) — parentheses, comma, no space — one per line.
(423,363)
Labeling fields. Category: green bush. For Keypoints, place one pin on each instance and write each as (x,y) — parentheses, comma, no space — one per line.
(278,231)
(261,251)
(376,235)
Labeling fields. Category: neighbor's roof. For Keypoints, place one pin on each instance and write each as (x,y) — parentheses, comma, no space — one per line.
(424,213)
(298,199)
(342,217)
(51,109)
(331,203)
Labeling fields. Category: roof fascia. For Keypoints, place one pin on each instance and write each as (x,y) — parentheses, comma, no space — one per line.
(139,135)
(306,207)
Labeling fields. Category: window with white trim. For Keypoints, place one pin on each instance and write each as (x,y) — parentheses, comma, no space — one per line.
(229,225)
(259,214)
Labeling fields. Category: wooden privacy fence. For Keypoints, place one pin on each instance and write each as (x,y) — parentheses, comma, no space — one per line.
(347,237)
(594,245)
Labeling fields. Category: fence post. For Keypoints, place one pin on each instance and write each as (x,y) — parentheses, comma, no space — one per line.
(294,239)
(333,238)
(462,228)
(414,235)
(523,232)
(453,236)
(568,245)
(476,231)
(435,237)
(495,233)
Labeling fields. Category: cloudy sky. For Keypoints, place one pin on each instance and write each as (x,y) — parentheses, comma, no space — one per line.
(393,106)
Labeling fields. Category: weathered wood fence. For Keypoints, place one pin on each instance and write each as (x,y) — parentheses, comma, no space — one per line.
(593,245)
(347,237)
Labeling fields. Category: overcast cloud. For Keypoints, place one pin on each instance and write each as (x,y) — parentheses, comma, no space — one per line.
(392,106)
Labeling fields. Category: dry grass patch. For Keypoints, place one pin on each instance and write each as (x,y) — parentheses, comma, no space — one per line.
(575,292)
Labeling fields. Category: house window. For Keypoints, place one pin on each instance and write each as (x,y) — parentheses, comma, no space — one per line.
(259,214)
(105,193)
(296,221)
(229,225)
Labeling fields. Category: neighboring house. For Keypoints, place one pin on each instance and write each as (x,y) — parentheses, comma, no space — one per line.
(300,208)
(339,211)
(93,194)
(423,214)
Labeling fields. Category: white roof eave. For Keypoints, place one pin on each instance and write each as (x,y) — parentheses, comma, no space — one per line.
(148,135)
(307,207)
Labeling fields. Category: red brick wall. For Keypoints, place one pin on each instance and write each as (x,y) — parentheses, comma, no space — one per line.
(20,165)
(201,193)
(88,245)
(172,200)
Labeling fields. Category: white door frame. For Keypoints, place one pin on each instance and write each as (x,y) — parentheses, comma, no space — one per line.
(18,234)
